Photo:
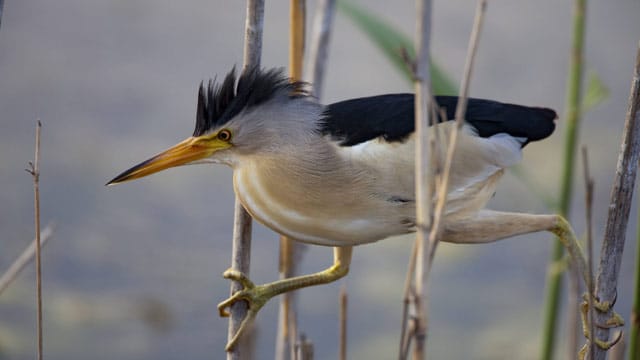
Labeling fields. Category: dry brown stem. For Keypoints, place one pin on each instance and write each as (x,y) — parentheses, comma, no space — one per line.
(424,180)
(34,170)
(589,186)
(619,207)
(290,251)
(241,248)
(319,44)
(431,176)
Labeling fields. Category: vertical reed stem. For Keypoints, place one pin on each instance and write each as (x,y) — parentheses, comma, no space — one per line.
(241,248)
(572,123)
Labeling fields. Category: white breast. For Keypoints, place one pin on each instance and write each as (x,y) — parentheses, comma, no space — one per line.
(329,219)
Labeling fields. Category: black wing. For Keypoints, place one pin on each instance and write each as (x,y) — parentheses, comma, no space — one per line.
(392,117)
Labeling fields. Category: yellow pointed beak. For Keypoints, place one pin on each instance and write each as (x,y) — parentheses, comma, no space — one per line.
(187,151)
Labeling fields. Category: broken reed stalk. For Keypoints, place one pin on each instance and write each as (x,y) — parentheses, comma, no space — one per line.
(27,255)
(34,170)
(589,186)
(303,349)
(290,251)
(619,207)
(424,180)
(241,248)
(572,124)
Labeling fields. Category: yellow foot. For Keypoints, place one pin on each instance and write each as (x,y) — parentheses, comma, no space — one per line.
(604,345)
(614,321)
(604,307)
(255,296)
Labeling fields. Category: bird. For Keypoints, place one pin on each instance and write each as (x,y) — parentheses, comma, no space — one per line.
(342,175)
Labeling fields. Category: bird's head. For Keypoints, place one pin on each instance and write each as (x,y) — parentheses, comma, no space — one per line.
(260,113)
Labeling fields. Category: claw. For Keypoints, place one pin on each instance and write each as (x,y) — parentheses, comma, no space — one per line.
(606,345)
(222,307)
(248,319)
(255,296)
(612,322)
(236,275)
(247,285)
(582,354)
(603,306)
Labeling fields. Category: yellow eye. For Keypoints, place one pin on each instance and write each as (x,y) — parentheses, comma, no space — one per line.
(224,135)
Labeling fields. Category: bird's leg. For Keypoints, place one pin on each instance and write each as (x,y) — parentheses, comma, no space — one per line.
(258,295)
(488,226)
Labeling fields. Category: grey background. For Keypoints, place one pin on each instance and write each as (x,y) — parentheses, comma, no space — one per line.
(133,271)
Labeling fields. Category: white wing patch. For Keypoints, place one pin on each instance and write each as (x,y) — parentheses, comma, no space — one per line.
(507,150)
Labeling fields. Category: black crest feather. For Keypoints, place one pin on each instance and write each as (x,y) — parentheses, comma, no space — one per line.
(219,103)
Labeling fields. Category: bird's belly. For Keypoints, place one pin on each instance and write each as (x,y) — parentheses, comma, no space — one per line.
(320,225)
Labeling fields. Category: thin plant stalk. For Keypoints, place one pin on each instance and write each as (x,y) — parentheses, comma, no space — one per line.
(34,170)
(619,208)
(319,45)
(589,185)
(572,124)
(289,250)
(241,248)
(240,260)
(316,66)
(405,334)
(574,278)
(461,109)
(573,312)
(424,181)
(286,333)
(27,255)
(422,269)
(296,37)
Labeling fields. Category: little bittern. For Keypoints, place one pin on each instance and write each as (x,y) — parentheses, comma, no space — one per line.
(343,174)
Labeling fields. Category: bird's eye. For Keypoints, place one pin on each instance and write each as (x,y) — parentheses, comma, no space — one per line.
(224,135)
